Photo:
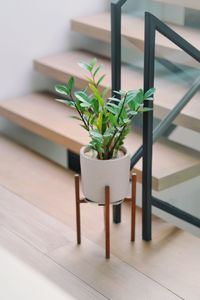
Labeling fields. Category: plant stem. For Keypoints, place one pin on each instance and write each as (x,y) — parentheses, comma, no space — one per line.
(110,142)
(116,131)
(80,114)
(117,140)
(93,78)
(122,107)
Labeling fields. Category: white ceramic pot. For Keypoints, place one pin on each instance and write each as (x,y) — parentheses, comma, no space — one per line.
(96,174)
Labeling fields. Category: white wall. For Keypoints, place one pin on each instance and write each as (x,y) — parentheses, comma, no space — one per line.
(33,28)
(30,29)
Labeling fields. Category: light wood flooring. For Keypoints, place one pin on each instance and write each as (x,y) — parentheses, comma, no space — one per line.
(38,251)
(39,257)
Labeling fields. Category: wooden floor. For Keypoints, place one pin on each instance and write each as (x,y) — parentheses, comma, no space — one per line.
(37,222)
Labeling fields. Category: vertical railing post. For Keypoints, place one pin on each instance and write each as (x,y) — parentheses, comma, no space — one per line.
(116,6)
(149,54)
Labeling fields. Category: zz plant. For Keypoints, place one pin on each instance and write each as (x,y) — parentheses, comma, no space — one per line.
(107,120)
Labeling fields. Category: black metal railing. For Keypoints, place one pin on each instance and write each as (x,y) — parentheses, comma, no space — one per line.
(165,124)
(152,24)
(116,7)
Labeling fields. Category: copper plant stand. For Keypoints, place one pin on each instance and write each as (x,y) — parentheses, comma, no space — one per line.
(107,212)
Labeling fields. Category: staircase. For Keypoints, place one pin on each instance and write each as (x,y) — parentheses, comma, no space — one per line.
(41,114)
(61,66)
(133,34)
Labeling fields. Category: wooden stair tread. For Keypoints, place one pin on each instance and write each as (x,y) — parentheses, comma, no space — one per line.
(61,66)
(41,114)
(99,26)
(185,3)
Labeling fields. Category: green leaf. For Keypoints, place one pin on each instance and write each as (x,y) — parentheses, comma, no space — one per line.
(78,105)
(82,97)
(85,104)
(123,115)
(114,99)
(139,98)
(93,62)
(61,101)
(112,119)
(76,118)
(111,109)
(95,105)
(70,85)
(100,121)
(96,71)
(109,132)
(89,80)
(97,94)
(101,79)
(62,89)
(92,120)
(133,105)
(126,121)
(85,66)
(144,109)
(135,99)
(149,93)
(116,107)
(67,102)
(108,135)
(132,113)
(96,134)
(83,126)
(122,93)
(136,95)
(132,93)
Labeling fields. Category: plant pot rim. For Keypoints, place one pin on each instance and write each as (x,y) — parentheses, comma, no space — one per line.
(123,148)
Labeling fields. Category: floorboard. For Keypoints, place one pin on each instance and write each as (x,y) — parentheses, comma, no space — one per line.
(26,273)
(114,279)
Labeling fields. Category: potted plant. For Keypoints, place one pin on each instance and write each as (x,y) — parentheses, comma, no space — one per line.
(105,160)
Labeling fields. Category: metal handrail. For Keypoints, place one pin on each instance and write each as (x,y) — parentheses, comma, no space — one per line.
(168,120)
(153,24)
(175,211)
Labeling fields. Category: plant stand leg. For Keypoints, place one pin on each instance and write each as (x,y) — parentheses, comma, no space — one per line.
(107,222)
(133,206)
(117,214)
(78,217)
